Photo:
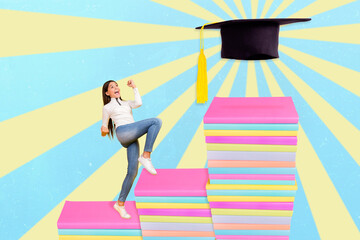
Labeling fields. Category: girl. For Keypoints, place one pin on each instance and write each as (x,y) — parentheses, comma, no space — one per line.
(127,132)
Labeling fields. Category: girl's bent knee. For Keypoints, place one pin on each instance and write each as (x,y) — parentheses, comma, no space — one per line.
(158,121)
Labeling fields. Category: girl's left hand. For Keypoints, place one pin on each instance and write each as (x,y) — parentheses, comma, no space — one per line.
(104,131)
(131,83)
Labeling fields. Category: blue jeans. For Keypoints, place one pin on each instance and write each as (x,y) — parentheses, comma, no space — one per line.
(128,137)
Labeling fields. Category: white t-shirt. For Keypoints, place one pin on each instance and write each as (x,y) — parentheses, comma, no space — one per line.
(120,111)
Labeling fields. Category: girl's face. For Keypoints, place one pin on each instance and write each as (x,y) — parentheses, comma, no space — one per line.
(113,90)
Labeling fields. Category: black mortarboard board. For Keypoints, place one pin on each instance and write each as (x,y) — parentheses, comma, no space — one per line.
(251,39)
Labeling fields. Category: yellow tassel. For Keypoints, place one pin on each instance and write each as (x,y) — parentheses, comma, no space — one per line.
(201,83)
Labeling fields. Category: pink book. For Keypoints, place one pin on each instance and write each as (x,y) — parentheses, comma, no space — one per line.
(173,182)
(252,140)
(97,215)
(254,205)
(288,177)
(175,212)
(251,110)
(247,237)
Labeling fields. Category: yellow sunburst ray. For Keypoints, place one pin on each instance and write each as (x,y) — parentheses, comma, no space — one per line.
(94,187)
(254,8)
(318,7)
(342,33)
(67,118)
(225,7)
(225,88)
(274,88)
(240,7)
(281,8)
(251,84)
(331,217)
(195,154)
(344,77)
(34,33)
(266,8)
(343,130)
(191,8)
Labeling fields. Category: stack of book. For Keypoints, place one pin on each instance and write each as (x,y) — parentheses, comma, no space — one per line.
(251,150)
(97,221)
(173,205)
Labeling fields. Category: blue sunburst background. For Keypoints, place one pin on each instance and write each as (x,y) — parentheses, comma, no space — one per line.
(55,56)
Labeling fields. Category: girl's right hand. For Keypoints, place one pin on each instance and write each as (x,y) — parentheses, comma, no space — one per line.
(104,131)
(131,83)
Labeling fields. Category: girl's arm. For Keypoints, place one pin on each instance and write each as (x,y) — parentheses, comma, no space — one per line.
(105,122)
(137,102)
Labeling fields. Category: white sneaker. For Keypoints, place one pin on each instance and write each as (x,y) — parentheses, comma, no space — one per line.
(122,211)
(146,162)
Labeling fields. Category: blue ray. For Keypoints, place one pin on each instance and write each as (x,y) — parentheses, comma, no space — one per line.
(49,78)
(343,171)
(171,149)
(247,8)
(273,7)
(238,88)
(294,7)
(39,184)
(263,88)
(213,8)
(261,6)
(343,54)
(141,11)
(302,223)
(343,15)
(234,8)
(344,101)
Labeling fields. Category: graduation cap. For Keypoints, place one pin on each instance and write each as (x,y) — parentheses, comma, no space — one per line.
(245,39)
